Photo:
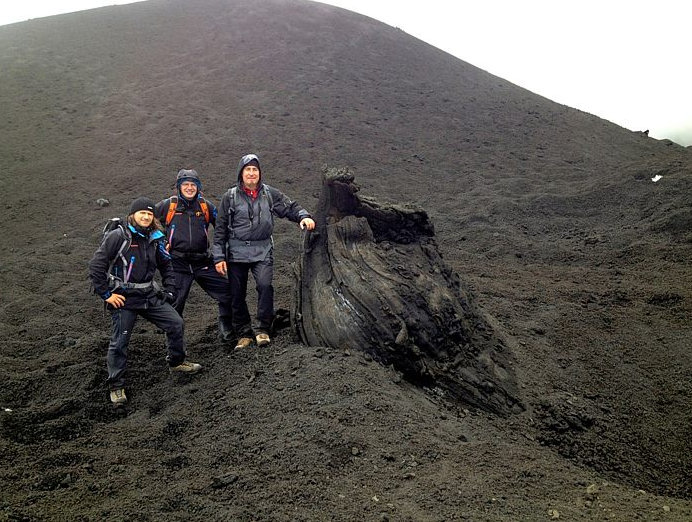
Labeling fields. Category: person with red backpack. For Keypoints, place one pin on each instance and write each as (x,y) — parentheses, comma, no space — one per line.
(186,218)
(122,273)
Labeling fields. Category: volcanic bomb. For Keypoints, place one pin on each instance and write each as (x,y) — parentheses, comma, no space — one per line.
(371,278)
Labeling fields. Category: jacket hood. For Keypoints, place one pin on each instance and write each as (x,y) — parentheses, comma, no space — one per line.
(245,160)
(188,175)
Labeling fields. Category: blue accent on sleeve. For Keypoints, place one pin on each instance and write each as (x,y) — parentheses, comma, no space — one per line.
(163,250)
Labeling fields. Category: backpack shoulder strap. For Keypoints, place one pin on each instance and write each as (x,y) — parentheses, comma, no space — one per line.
(205,208)
(268,194)
(233,200)
(172,207)
(127,239)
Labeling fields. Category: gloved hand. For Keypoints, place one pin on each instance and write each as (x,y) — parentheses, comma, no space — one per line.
(167,296)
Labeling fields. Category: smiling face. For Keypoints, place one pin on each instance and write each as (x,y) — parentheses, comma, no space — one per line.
(143,218)
(251,176)
(188,189)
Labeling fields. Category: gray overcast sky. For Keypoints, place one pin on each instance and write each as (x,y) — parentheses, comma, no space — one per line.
(625,61)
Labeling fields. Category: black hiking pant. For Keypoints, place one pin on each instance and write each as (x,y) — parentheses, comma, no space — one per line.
(202,272)
(163,316)
(263,273)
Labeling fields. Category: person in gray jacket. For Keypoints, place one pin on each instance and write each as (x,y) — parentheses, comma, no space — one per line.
(243,244)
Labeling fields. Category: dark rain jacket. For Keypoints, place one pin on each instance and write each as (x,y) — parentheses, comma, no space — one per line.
(188,231)
(243,232)
(144,255)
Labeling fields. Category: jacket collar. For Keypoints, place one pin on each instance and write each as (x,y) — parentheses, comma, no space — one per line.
(156,234)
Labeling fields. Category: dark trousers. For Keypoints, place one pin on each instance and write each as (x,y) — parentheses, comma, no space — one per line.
(163,316)
(263,273)
(213,283)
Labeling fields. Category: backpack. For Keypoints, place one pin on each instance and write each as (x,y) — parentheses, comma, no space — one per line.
(115,224)
(234,199)
(173,206)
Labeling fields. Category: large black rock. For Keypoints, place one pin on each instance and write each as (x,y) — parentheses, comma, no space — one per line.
(370,278)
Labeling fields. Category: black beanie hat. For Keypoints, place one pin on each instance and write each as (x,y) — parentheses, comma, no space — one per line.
(142,203)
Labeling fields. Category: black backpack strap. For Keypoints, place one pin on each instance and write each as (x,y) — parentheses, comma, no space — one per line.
(117,281)
(232,201)
(269,197)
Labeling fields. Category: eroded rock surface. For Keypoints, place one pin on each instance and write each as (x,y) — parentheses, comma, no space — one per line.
(370,278)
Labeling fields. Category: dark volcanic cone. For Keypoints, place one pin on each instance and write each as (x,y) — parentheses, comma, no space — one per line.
(371,278)
(548,214)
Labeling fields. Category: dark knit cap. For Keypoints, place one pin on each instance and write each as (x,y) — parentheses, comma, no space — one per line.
(142,203)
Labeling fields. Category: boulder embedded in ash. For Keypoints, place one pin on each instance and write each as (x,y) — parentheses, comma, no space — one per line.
(370,278)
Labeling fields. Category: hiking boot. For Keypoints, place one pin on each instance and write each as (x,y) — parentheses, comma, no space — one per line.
(226,337)
(118,397)
(262,339)
(226,333)
(243,342)
(186,367)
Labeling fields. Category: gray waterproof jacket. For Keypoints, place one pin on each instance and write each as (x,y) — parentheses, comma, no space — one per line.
(244,226)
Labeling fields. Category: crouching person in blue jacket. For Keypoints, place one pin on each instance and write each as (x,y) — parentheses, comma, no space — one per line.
(122,273)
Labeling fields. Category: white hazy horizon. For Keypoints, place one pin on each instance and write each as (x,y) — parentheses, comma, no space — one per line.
(624,61)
